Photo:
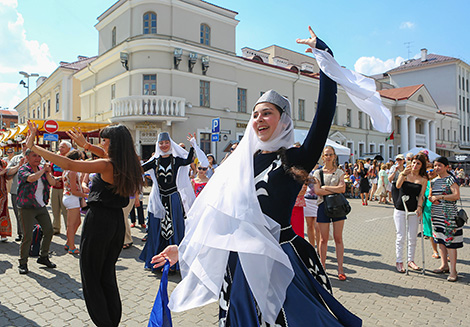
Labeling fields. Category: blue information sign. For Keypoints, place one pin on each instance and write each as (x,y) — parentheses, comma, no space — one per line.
(215,125)
(215,137)
(51,137)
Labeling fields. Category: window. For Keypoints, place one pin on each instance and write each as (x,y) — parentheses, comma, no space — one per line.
(150,84)
(12,124)
(113,91)
(448,135)
(460,85)
(467,84)
(241,100)
(44,110)
(382,150)
(113,37)
(348,117)
(301,109)
(205,143)
(390,152)
(438,133)
(371,127)
(372,148)
(48,107)
(150,23)
(34,113)
(420,98)
(361,149)
(57,108)
(359,117)
(463,83)
(204,94)
(335,118)
(205,36)
(443,134)
(455,136)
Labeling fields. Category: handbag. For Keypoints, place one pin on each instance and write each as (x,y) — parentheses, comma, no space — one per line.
(336,205)
(461,218)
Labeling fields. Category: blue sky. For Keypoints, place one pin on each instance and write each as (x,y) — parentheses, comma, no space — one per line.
(366,36)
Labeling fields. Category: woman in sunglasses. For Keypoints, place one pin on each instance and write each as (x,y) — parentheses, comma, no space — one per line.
(200,180)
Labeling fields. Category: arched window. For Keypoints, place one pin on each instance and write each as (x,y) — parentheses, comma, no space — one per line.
(420,98)
(205,34)
(113,37)
(150,23)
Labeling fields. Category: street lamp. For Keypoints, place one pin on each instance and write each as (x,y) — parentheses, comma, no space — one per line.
(25,74)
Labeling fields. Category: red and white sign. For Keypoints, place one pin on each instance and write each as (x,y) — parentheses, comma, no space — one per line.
(51,126)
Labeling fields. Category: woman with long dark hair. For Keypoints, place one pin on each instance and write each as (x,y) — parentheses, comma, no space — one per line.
(364,186)
(118,177)
(412,181)
(444,194)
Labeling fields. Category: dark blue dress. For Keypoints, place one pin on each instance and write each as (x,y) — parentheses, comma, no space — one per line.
(170,229)
(309,301)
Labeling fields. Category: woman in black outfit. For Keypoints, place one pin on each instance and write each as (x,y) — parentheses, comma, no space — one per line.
(364,186)
(118,177)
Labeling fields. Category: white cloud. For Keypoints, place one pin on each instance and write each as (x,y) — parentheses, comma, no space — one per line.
(372,65)
(407,25)
(11,95)
(19,54)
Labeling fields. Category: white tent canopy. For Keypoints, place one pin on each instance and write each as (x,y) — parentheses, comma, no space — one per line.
(342,152)
(432,155)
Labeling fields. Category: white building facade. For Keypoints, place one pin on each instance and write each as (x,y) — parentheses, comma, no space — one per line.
(446,78)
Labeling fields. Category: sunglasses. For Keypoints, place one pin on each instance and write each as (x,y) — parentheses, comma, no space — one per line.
(9,152)
(429,171)
(202,168)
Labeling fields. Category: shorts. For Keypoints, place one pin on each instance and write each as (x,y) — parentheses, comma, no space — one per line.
(311,208)
(322,218)
(71,201)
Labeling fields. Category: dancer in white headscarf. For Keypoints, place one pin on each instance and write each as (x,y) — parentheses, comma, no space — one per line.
(239,244)
(172,194)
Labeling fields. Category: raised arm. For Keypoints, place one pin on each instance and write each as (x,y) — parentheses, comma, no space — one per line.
(311,149)
(102,166)
(80,140)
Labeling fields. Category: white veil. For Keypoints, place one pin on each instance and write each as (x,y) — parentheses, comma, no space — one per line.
(183,183)
(227,217)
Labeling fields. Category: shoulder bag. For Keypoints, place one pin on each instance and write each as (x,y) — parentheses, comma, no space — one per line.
(461,218)
(336,205)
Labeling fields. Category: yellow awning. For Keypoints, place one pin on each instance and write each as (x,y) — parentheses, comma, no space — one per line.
(64,126)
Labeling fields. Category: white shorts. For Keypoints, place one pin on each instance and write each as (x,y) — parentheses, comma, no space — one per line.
(311,208)
(71,201)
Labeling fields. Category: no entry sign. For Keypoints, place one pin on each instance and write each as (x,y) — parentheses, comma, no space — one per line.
(51,126)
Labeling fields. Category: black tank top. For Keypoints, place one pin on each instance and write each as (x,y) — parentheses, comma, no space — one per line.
(412,190)
(101,193)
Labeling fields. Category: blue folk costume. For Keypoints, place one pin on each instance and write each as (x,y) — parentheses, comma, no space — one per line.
(171,197)
(239,246)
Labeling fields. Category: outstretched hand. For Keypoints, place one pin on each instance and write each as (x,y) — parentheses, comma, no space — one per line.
(311,41)
(77,136)
(170,253)
(190,136)
(32,131)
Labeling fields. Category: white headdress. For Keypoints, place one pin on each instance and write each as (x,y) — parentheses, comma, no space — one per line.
(226,217)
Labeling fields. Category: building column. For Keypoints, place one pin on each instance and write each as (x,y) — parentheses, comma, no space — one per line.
(412,132)
(427,138)
(404,132)
(432,136)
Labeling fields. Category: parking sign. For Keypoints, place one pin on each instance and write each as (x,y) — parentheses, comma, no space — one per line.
(215,125)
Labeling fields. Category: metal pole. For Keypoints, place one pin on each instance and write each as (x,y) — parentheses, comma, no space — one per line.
(27,109)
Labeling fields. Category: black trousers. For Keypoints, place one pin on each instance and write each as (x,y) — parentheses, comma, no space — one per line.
(102,240)
(140,214)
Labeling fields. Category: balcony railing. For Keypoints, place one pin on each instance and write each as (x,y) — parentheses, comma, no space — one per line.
(153,107)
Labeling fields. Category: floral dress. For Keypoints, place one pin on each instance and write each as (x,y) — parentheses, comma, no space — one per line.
(445,230)
(5,223)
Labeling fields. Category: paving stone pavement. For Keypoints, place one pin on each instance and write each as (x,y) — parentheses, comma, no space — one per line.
(374,290)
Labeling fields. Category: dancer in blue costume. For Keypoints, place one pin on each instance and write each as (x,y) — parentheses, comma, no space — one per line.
(239,244)
(171,195)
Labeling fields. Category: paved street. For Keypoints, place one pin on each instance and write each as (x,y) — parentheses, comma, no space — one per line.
(374,290)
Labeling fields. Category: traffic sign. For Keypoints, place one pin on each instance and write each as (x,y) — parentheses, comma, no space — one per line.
(215,137)
(215,125)
(50,137)
(51,126)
